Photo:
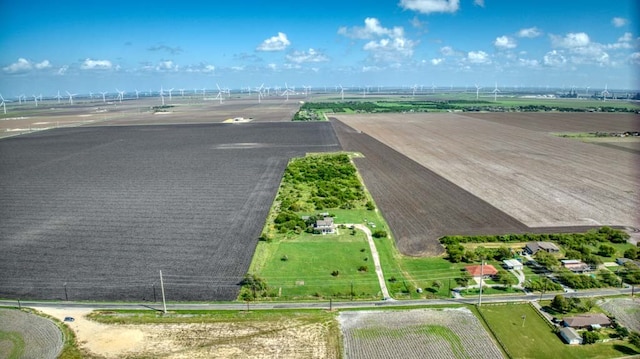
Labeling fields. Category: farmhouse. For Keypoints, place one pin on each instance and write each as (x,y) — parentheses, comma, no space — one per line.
(485,271)
(325,226)
(583,321)
(533,247)
(512,264)
(570,336)
(575,265)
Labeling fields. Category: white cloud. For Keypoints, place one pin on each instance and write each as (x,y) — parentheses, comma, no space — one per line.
(505,42)
(437,62)
(554,59)
(166,65)
(417,23)
(24,65)
(430,6)
(571,40)
(63,70)
(528,62)
(42,65)
(387,44)
(478,57)
(619,21)
(272,67)
(371,30)
(90,64)
(479,3)
(275,43)
(447,51)
(530,32)
(634,58)
(307,56)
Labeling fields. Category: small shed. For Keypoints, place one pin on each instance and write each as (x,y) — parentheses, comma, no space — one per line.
(575,265)
(570,336)
(513,264)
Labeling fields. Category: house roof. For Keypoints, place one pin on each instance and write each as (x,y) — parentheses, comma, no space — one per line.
(570,334)
(536,246)
(326,222)
(585,320)
(477,271)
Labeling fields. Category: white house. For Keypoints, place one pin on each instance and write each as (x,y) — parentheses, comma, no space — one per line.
(570,336)
(513,264)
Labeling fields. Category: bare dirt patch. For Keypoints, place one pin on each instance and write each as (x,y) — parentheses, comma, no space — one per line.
(35,336)
(281,339)
(626,310)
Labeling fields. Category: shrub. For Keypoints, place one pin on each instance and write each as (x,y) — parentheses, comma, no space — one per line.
(335,273)
(363,269)
(590,337)
(379,234)
(284,258)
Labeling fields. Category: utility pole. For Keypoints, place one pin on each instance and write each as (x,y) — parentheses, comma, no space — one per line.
(481,280)
(66,297)
(164,303)
(524,316)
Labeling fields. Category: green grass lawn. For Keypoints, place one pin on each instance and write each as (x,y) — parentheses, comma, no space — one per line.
(536,339)
(311,259)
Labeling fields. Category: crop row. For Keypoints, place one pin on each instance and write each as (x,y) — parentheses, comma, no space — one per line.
(42,338)
(423,333)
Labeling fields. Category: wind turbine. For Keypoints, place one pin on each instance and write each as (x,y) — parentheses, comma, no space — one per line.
(204,91)
(414,88)
(477,91)
(58,97)
(586,91)
(137,94)
(4,106)
(162,95)
(259,91)
(286,91)
(341,92)
(495,93)
(120,95)
(103,98)
(35,99)
(219,96)
(182,92)
(605,93)
(91,95)
(70,97)
(170,90)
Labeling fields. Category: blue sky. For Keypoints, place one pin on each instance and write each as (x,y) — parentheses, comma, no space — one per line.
(82,46)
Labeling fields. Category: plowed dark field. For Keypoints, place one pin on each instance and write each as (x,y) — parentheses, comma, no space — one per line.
(95,213)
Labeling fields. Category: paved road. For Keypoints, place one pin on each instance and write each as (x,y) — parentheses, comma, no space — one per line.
(310,305)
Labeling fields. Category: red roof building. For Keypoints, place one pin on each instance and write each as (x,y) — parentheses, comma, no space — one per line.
(487,270)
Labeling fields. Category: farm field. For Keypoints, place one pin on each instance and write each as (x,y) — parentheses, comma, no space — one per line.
(532,178)
(536,338)
(95,213)
(418,333)
(550,122)
(189,109)
(626,310)
(26,335)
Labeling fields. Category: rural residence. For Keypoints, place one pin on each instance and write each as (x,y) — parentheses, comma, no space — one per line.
(325,226)
(513,264)
(533,247)
(584,321)
(570,336)
(485,271)
(575,265)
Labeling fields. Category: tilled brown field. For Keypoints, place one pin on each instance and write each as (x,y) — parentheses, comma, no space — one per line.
(420,205)
(496,178)
(563,121)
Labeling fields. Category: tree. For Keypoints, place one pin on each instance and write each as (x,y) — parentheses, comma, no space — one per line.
(464,279)
(505,278)
(606,250)
(254,284)
(631,253)
(589,337)
(548,260)
(560,304)
(455,252)
(379,234)
(634,338)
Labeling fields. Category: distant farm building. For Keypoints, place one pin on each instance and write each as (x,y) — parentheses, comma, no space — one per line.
(485,271)
(325,226)
(584,321)
(575,265)
(513,264)
(570,336)
(533,247)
